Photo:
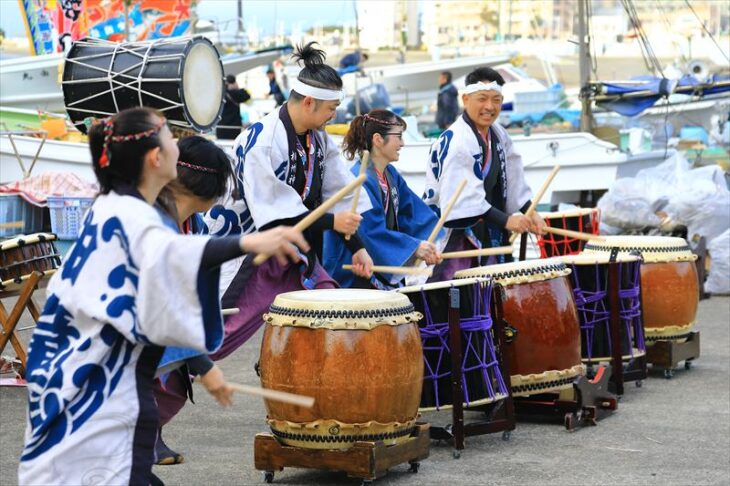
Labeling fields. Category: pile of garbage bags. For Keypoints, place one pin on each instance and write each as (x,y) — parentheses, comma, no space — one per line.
(670,195)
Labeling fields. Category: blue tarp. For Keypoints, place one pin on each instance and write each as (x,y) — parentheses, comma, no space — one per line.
(634,98)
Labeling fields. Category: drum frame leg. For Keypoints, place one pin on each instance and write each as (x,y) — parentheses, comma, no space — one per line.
(585,404)
(500,414)
(636,369)
(10,321)
(364,460)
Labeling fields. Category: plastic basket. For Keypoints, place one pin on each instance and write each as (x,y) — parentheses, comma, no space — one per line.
(67,215)
(21,217)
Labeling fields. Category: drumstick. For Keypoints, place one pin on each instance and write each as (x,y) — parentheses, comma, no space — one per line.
(446,212)
(314,215)
(230,311)
(538,196)
(14,224)
(275,395)
(398,270)
(500,250)
(577,235)
(442,220)
(356,195)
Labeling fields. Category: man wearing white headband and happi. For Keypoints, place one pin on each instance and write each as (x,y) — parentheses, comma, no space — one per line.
(476,148)
(286,166)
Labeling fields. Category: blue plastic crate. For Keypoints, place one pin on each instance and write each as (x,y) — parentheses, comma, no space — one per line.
(67,215)
(21,217)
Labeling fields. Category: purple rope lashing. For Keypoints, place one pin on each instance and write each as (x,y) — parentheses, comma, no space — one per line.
(593,307)
(474,328)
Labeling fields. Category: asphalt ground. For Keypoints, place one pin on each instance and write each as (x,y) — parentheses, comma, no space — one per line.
(668,432)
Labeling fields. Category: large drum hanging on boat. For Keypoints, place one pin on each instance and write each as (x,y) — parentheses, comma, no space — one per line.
(546,354)
(669,285)
(357,352)
(181,77)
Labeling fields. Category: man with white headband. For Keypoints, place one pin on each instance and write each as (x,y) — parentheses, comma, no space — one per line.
(476,148)
(285,167)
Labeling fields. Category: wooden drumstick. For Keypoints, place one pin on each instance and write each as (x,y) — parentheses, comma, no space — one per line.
(442,220)
(314,215)
(275,395)
(577,235)
(538,196)
(356,194)
(500,250)
(230,311)
(398,270)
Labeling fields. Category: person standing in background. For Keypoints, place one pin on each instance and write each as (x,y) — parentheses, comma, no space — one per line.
(274,89)
(230,125)
(447,108)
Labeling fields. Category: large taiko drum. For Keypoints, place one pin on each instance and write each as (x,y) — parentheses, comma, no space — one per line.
(591,291)
(181,77)
(23,255)
(357,352)
(584,220)
(482,380)
(669,285)
(545,355)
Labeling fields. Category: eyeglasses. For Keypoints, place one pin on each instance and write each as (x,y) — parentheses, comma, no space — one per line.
(395,134)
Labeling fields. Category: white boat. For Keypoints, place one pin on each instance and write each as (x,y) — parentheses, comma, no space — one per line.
(35,82)
(587,163)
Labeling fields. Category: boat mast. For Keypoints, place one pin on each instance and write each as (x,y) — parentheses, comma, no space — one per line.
(584,63)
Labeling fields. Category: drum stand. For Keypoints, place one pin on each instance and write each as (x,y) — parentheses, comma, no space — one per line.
(364,460)
(10,321)
(501,414)
(635,370)
(667,354)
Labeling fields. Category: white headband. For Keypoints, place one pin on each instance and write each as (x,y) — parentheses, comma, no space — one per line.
(481,86)
(323,94)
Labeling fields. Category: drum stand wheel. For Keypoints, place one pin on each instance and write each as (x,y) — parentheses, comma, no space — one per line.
(364,460)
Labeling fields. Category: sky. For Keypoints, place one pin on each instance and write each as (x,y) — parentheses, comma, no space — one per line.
(264,14)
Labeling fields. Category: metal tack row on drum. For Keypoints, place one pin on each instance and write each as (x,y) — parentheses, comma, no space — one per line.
(528,336)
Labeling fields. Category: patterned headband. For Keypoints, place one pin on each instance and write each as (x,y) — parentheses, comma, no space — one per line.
(105,158)
(198,168)
(387,123)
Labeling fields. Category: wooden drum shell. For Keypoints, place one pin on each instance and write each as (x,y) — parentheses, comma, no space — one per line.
(669,298)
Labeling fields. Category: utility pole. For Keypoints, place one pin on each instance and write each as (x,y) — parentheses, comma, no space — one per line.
(584,63)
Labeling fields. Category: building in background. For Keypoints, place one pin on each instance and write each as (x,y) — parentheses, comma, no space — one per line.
(388,25)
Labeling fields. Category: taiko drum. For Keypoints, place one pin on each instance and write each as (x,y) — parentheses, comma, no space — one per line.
(357,352)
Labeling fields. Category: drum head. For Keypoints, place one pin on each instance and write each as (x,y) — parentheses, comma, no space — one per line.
(597,258)
(653,249)
(519,272)
(202,85)
(463,282)
(341,309)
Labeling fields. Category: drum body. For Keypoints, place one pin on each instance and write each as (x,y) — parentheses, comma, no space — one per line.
(584,220)
(591,291)
(669,285)
(545,355)
(357,352)
(181,77)
(482,380)
(21,256)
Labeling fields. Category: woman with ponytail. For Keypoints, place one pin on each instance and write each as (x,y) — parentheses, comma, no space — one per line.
(396,229)
(130,285)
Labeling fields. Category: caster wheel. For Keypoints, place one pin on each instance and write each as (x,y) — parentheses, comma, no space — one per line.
(569,421)
(687,365)
(639,383)
(506,435)
(366,482)
(269,477)
(456,454)
(414,467)
(668,374)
